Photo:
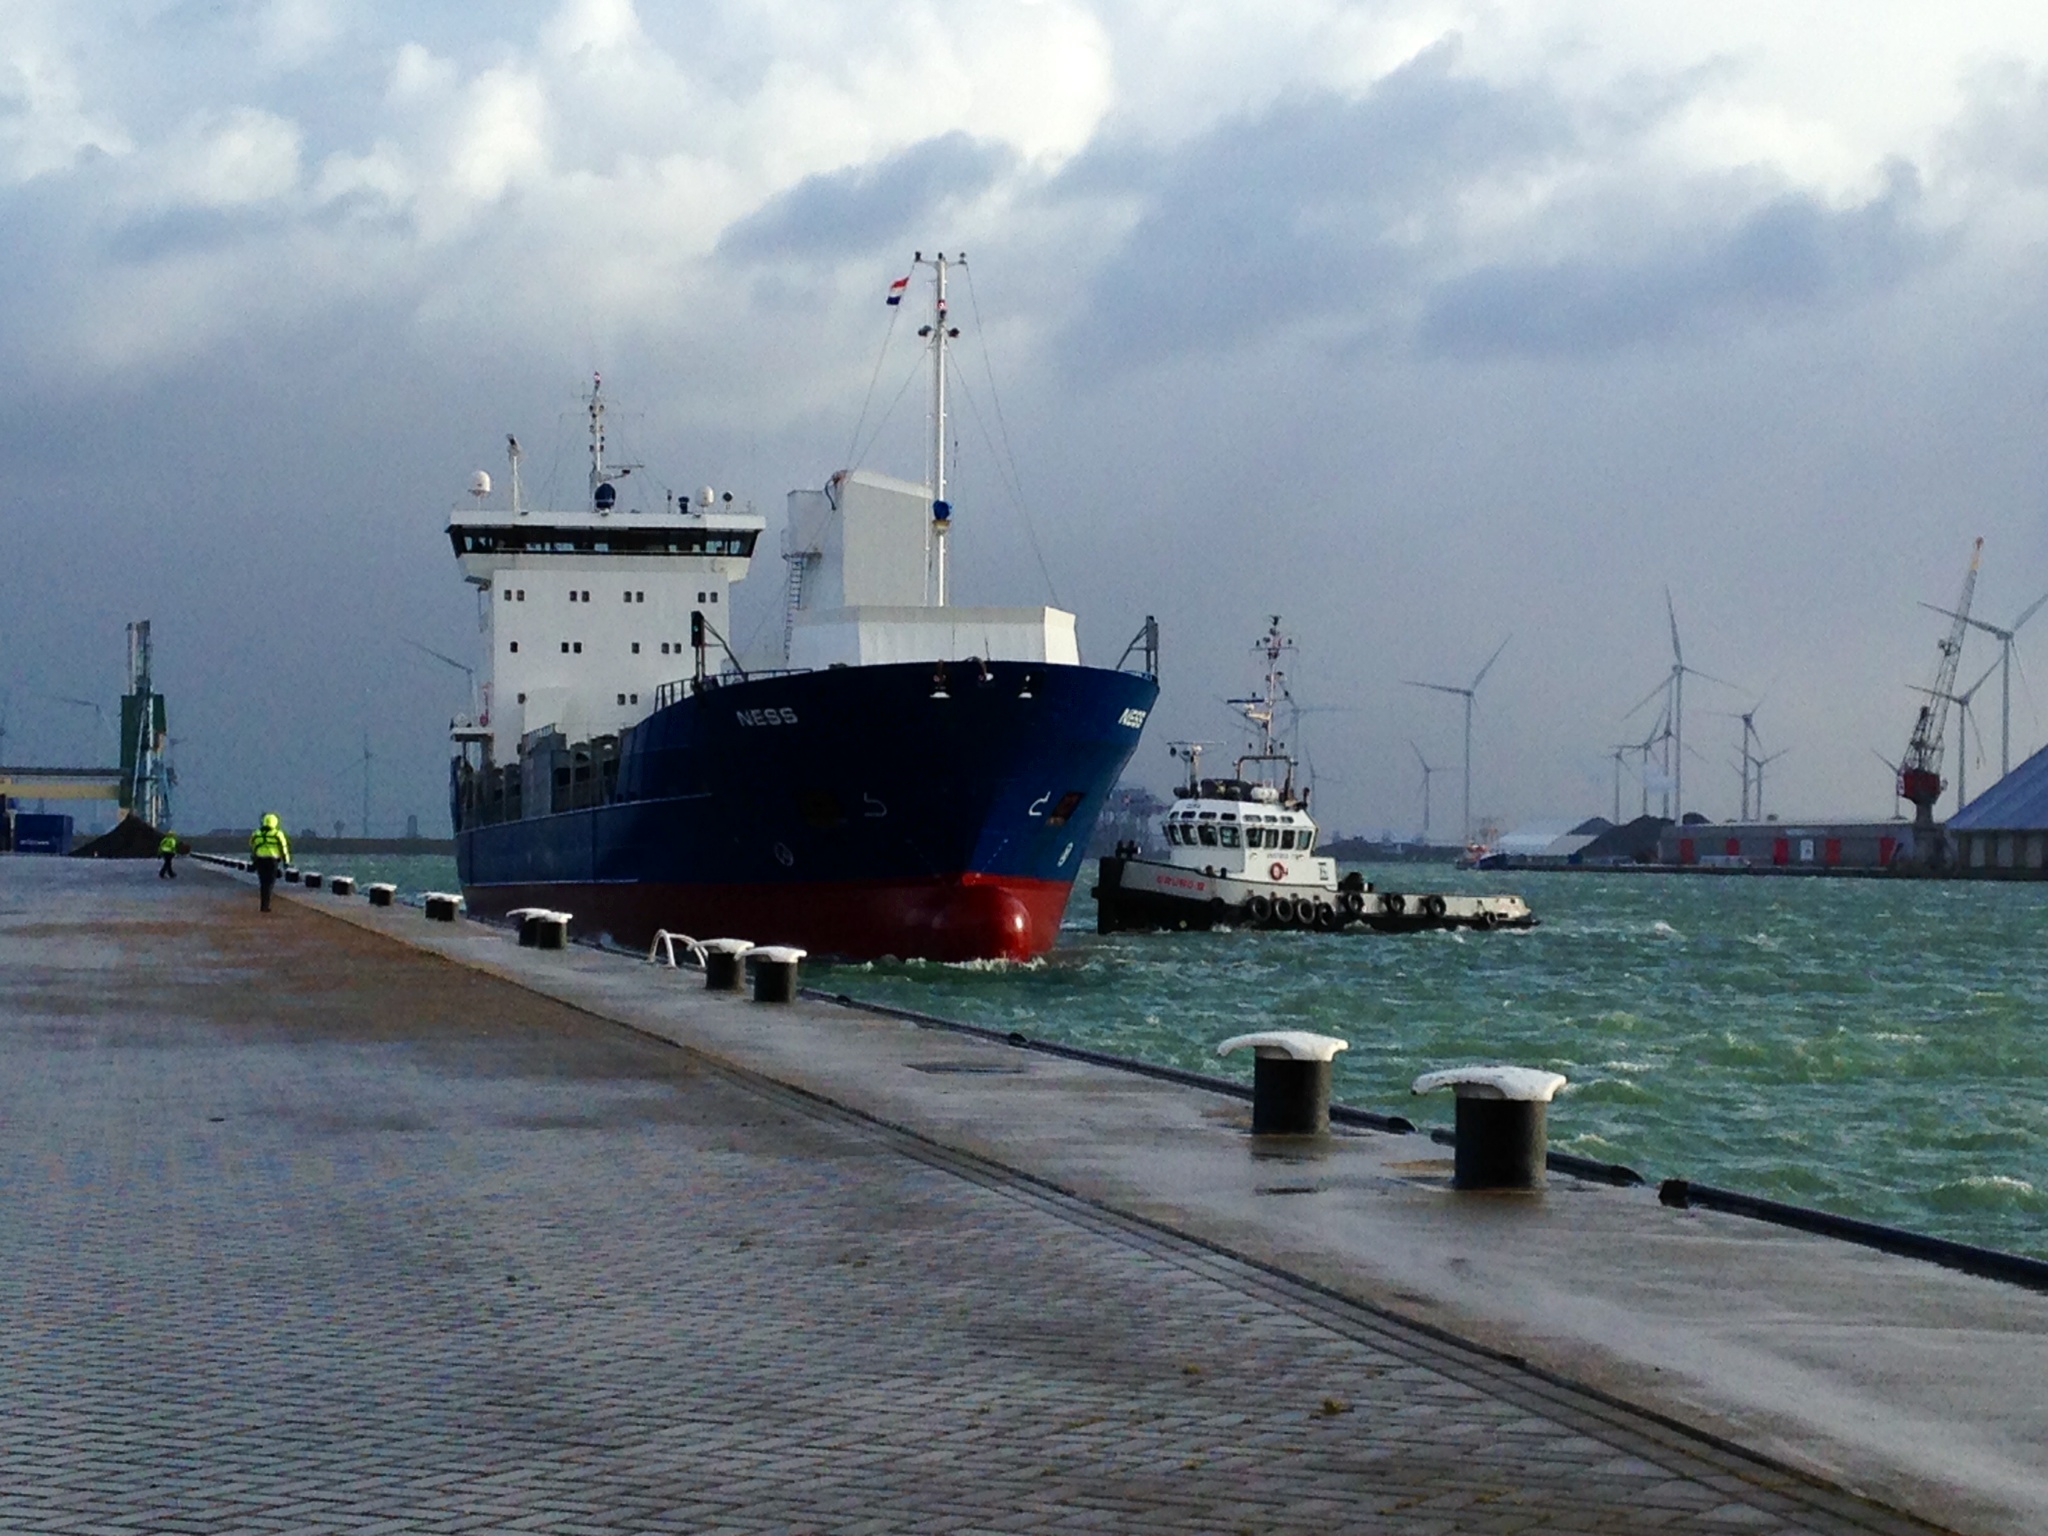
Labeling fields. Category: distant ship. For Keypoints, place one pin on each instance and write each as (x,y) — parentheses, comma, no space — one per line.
(915,780)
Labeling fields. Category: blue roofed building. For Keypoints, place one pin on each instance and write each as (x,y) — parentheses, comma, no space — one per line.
(2003,833)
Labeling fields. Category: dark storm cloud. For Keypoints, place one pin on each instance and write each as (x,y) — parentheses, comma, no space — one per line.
(1791,253)
(1309,206)
(863,207)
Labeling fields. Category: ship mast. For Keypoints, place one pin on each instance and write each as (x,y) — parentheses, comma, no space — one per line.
(939,332)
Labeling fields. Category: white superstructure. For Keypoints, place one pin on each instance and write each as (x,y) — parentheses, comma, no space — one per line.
(587,612)
(867,562)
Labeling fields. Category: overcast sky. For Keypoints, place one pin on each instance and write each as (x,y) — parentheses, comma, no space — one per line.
(1420,324)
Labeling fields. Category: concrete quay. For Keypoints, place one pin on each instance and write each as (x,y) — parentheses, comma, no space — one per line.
(304,1229)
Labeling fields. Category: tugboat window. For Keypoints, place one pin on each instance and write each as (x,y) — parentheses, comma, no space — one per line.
(1255,837)
(1229,836)
(1286,838)
(1208,835)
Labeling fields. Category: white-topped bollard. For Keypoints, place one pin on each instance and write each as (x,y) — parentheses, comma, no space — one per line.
(311,879)
(722,963)
(1503,1132)
(291,875)
(342,885)
(775,972)
(442,907)
(1291,1071)
(550,930)
(382,895)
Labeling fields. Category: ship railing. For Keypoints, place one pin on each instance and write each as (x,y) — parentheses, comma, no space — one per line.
(663,949)
(1145,646)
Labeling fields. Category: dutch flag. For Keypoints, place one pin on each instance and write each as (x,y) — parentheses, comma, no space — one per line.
(896,290)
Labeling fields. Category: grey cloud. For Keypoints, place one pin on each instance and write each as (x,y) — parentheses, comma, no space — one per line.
(857,209)
(1308,206)
(1791,253)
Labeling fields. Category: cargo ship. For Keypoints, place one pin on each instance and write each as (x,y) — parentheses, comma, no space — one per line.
(915,779)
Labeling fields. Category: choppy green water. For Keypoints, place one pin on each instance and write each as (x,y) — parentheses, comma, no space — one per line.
(1870,1047)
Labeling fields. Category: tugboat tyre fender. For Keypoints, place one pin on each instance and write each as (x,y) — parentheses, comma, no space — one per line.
(1354,903)
(1485,919)
(1326,919)
(1432,906)
(1260,908)
(1394,905)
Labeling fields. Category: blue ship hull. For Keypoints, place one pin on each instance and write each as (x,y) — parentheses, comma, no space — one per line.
(857,811)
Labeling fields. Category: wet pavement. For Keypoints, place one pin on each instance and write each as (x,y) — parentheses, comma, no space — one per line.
(304,1230)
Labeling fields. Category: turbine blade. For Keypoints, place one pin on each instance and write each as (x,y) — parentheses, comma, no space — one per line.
(1439,687)
(1671,613)
(1489,665)
(1660,688)
(2032,608)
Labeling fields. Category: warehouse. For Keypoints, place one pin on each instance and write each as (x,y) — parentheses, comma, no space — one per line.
(2003,833)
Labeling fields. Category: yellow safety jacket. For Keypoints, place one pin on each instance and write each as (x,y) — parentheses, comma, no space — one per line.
(168,845)
(270,843)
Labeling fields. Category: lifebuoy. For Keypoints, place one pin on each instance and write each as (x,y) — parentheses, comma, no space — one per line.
(1278,871)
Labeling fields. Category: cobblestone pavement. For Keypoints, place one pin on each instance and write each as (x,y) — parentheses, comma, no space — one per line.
(385,1245)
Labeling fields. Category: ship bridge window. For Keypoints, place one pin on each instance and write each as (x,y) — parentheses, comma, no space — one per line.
(734,542)
(1286,837)
(1229,836)
(1255,837)
(1208,835)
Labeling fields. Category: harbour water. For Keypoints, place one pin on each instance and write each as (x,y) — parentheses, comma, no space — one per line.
(1875,1048)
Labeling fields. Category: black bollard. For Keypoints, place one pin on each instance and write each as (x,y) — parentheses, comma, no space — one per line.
(775,967)
(723,969)
(342,885)
(382,895)
(1503,1124)
(311,879)
(441,907)
(291,876)
(1291,1071)
(551,930)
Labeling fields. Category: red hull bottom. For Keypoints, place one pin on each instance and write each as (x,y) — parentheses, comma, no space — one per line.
(969,917)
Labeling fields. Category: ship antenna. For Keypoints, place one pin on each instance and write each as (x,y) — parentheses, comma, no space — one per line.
(514,455)
(596,434)
(940,332)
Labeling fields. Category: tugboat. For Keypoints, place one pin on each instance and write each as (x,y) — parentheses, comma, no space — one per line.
(1241,852)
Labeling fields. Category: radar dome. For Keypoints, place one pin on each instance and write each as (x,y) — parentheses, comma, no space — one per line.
(705,497)
(480,485)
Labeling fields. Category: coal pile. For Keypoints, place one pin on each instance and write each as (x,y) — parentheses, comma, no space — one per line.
(131,838)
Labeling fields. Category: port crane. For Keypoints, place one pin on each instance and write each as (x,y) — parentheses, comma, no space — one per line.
(1920,782)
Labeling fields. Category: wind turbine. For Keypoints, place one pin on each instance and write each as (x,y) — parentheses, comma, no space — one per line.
(1466,693)
(1676,711)
(1759,766)
(366,781)
(1962,701)
(2004,639)
(1428,772)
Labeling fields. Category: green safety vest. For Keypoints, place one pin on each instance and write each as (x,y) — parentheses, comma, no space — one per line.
(169,845)
(267,844)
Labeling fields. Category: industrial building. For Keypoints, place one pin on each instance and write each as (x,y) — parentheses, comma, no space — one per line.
(2003,833)
(1805,847)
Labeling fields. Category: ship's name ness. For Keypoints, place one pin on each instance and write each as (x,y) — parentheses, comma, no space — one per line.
(774,716)
(1134,718)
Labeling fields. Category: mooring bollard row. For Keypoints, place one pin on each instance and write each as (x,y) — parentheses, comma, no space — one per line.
(540,928)
(775,972)
(1291,1072)
(442,907)
(1503,1134)
(342,885)
(291,875)
(722,968)
(382,895)
(311,879)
